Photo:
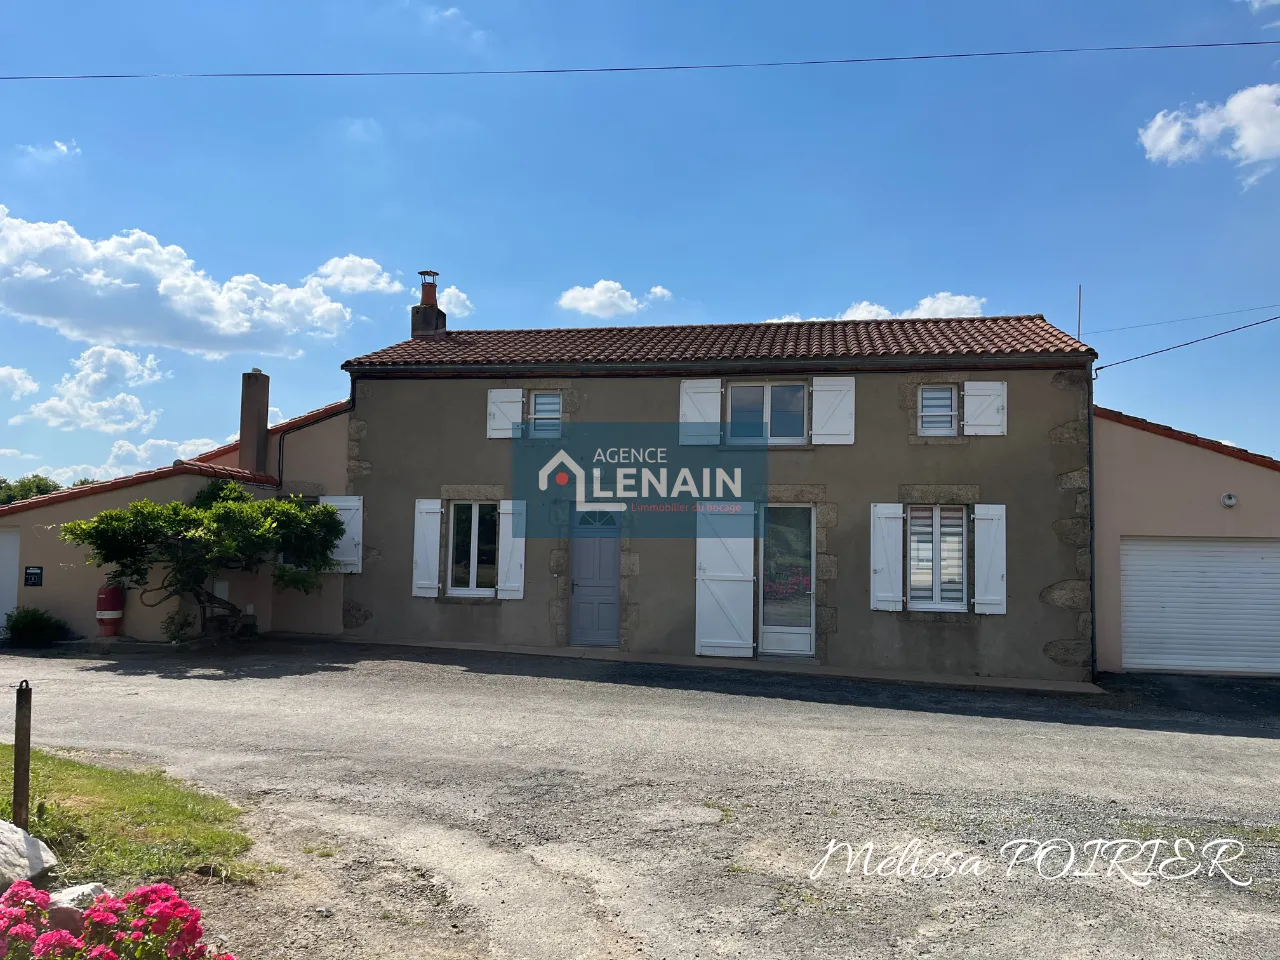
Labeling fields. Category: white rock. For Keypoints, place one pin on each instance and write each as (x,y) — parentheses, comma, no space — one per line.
(22,856)
(80,896)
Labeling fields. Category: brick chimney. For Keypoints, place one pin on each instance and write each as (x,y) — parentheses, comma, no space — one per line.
(255,395)
(427,319)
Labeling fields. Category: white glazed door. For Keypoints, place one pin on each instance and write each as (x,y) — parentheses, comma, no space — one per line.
(786,581)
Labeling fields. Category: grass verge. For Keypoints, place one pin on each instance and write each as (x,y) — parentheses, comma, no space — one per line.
(121,826)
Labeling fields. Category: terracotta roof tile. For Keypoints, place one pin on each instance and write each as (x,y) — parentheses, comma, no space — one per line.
(797,340)
(177,468)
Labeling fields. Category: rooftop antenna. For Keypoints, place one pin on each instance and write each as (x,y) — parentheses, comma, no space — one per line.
(1079,309)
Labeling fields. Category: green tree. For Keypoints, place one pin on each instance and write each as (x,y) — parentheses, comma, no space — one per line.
(223,528)
(32,485)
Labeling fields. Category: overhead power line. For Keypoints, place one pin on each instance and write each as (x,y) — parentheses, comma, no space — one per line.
(655,68)
(1203,316)
(1179,346)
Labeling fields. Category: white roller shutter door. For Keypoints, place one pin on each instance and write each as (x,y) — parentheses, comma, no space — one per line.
(1200,605)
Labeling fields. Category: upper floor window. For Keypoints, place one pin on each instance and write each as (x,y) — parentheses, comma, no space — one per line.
(936,558)
(767,413)
(544,414)
(939,411)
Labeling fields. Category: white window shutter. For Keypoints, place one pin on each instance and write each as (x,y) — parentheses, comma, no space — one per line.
(426,548)
(511,520)
(699,412)
(985,403)
(725,584)
(350,550)
(989,561)
(506,409)
(886,556)
(832,410)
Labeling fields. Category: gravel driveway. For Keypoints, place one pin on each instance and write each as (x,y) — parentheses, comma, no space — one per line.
(447,804)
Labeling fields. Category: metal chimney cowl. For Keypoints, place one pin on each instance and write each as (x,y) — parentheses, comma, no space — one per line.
(426,319)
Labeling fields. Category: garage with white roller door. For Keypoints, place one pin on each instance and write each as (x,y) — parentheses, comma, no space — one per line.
(1199,604)
(1187,551)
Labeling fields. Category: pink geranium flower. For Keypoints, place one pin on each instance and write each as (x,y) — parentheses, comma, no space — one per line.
(17,893)
(152,921)
(22,892)
(53,943)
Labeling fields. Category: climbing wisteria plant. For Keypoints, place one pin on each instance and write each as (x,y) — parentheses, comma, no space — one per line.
(224,528)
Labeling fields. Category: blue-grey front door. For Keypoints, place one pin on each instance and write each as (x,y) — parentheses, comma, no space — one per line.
(594,561)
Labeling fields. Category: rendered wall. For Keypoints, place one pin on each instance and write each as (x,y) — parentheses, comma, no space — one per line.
(425,438)
(1154,486)
(70,584)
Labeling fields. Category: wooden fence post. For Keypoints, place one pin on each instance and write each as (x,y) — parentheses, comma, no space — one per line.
(22,758)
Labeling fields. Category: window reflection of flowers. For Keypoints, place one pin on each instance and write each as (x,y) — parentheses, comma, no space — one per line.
(786,581)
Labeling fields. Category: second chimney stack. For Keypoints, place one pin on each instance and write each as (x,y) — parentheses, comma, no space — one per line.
(255,396)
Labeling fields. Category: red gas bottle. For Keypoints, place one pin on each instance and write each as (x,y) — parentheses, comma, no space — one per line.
(110,610)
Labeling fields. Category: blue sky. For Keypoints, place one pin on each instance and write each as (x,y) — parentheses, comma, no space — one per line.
(159,237)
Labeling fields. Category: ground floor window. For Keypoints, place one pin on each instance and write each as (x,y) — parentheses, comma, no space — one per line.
(936,552)
(473,549)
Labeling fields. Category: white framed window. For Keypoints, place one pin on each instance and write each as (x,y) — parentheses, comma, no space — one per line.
(939,411)
(544,414)
(772,413)
(937,558)
(473,549)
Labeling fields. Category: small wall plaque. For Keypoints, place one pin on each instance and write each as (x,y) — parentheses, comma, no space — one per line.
(33,577)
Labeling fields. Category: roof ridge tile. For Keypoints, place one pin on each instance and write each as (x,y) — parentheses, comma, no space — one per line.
(791,340)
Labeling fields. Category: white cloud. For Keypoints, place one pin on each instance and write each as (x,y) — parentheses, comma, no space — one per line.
(360,129)
(946,304)
(455,303)
(943,304)
(608,299)
(84,400)
(1251,179)
(1246,129)
(48,154)
(274,415)
(16,454)
(352,274)
(126,457)
(1257,6)
(16,382)
(450,22)
(130,290)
